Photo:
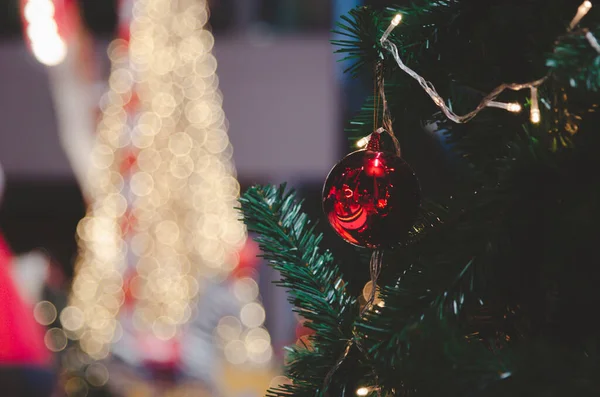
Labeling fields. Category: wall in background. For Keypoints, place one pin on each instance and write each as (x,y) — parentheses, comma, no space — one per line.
(279,96)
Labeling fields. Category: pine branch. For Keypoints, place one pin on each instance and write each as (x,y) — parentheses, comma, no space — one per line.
(522,223)
(440,276)
(575,61)
(290,245)
(361,31)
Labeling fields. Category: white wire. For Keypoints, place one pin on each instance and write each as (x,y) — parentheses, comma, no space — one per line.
(439,101)
(593,42)
(488,101)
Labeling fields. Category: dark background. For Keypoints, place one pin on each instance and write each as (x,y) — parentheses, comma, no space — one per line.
(101,18)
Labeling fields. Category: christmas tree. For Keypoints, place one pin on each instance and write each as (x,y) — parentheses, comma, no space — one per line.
(492,290)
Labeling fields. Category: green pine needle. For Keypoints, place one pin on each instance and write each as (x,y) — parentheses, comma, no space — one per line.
(317,290)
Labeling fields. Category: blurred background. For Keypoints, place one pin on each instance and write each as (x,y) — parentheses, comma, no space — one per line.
(87,106)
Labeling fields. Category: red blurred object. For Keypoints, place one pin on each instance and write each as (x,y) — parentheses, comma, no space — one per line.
(161,357)
(56,276)
(21,337)
(125,11)
(132,105)
(128,222)
(302,330)
(127,289)
(128,160)
(248,259)
(371,198)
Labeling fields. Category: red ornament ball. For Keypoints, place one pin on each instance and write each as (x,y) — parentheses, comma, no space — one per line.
(371,198)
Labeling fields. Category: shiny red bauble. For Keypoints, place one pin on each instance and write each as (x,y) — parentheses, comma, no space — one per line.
(371,198)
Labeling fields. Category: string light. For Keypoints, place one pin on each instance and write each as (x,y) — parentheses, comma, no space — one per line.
(511,107)
(488,100)
(439,101)
(582,11)
(363,142)
(180,196)
(535,106)
(394,22)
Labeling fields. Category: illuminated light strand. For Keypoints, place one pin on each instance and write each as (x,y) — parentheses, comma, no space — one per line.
(97,293)
(582,11)
(366,390)
(534,114)
(364,141)
(362,391)
(394,22)
(185,215)
(439,101)
(488,100)
(510,106)
(182,191)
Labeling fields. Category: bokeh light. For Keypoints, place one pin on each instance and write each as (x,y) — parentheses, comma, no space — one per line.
(235,352)
(164,193)
(96,374)
(245,289)
(252,315)
(55,339)
(44,312)
(46,44)
(366,292)
(76,387)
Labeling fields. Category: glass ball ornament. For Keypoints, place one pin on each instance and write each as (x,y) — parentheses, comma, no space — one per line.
(371,198)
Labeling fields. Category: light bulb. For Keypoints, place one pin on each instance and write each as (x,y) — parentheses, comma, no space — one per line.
(583,9)
(511,107)
(395,22)
(398,18)
(362,391)
(535,116)
(362,142)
